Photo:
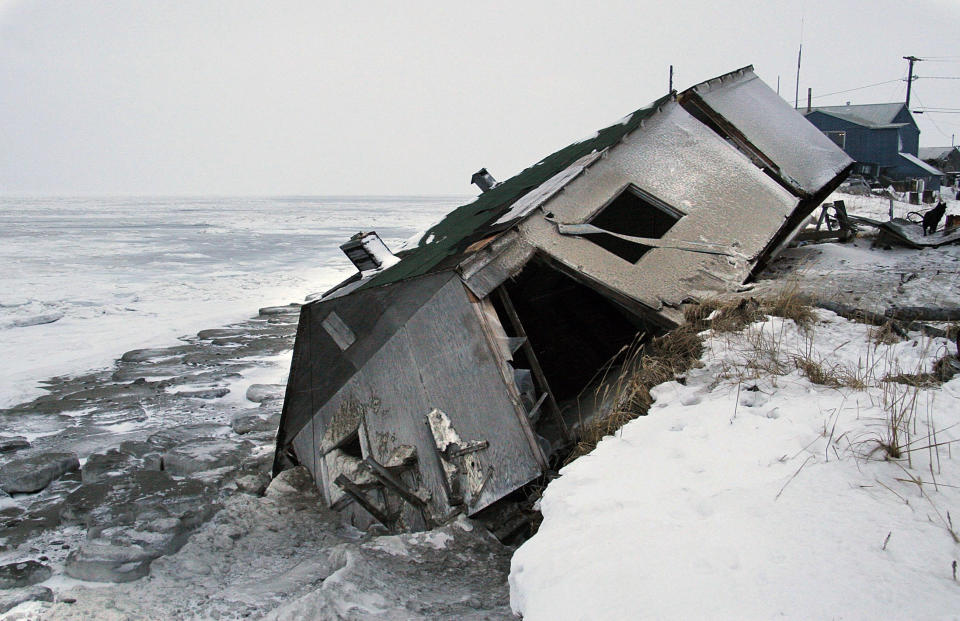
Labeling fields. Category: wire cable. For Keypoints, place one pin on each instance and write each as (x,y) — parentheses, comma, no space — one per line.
(859,88)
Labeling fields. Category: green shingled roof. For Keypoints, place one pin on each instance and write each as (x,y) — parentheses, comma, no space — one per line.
(472,222)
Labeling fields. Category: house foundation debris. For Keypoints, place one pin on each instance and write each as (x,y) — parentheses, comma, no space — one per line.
(445,382)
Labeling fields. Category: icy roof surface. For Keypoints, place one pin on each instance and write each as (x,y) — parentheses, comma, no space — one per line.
(869,115)
(916,161)
(801,151)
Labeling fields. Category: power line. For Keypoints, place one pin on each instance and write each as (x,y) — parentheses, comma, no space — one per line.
(934,123)
(859,88)
(936,77)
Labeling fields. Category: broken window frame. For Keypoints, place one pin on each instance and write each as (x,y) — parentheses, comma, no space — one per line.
(650,201)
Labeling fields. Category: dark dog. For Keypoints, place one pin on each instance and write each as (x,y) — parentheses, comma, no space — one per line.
(931,219)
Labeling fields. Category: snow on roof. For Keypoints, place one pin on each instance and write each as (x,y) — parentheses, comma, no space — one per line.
(869,115)
(545,191)
(775,129)
(934,153)
(916,161)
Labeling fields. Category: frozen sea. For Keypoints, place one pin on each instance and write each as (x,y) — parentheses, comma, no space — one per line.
(85,279)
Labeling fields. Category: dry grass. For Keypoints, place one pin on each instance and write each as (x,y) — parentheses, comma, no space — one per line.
(893,440)
(789,303)
(943,371)
(652,363)
(732,315)
(886,334)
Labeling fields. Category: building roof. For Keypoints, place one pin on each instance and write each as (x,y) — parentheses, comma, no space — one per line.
(934,153)
(444,243)
(877,116)
(916,161)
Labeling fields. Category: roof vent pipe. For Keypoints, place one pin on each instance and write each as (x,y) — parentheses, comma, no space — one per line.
(483,180)
(368,252)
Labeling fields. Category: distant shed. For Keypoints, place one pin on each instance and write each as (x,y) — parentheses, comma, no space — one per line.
(946,159)
(450,379)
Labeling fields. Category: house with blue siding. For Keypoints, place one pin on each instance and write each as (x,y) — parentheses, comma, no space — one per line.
(883,138)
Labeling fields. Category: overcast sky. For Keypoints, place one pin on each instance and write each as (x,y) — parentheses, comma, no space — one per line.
(237,97)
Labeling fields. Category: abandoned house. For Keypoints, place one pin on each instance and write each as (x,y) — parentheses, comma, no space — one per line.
(440,380)
(883,139)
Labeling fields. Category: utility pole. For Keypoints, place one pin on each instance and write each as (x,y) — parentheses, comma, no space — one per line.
(671,79)
(910,78)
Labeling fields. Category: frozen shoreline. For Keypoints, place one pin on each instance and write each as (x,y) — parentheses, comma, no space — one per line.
(92,278)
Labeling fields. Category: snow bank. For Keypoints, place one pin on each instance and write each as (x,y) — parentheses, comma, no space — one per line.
(747,494)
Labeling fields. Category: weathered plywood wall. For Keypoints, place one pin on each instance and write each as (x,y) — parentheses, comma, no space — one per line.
(439,357)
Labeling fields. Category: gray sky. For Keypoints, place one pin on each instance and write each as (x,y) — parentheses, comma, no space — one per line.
(238,97)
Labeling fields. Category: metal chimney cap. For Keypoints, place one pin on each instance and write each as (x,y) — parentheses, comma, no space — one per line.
(483,180)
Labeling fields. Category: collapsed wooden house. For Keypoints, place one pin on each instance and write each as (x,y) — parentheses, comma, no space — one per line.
(442,382)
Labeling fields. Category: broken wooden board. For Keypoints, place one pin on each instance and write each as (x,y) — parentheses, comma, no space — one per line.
(906,233)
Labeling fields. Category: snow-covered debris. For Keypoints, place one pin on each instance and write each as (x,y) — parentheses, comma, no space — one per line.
(282,556)
(751,492)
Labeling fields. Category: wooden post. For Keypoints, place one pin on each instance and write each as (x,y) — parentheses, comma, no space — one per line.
(534,363)
(350,488)
(393,483)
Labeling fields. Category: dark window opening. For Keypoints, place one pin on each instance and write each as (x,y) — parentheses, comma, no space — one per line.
(636,213)
(351,446)
(574,331)
(839,138)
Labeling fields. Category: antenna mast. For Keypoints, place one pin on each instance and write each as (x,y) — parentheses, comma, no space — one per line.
(796,92)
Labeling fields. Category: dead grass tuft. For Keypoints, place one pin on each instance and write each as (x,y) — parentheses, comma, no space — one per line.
(733,315)
(723,315)
(900,407)
(943,371)
(817,373)
(659,360)
(789,303)
(886,334)
(833,376)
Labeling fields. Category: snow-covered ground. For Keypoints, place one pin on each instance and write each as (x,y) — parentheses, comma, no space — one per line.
(749,492)
(86,279)
(870,277)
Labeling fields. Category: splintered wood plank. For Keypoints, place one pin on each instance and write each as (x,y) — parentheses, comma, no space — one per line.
(397,407)
(460,374)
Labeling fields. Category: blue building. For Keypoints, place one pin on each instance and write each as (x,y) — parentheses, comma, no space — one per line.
(883,138)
